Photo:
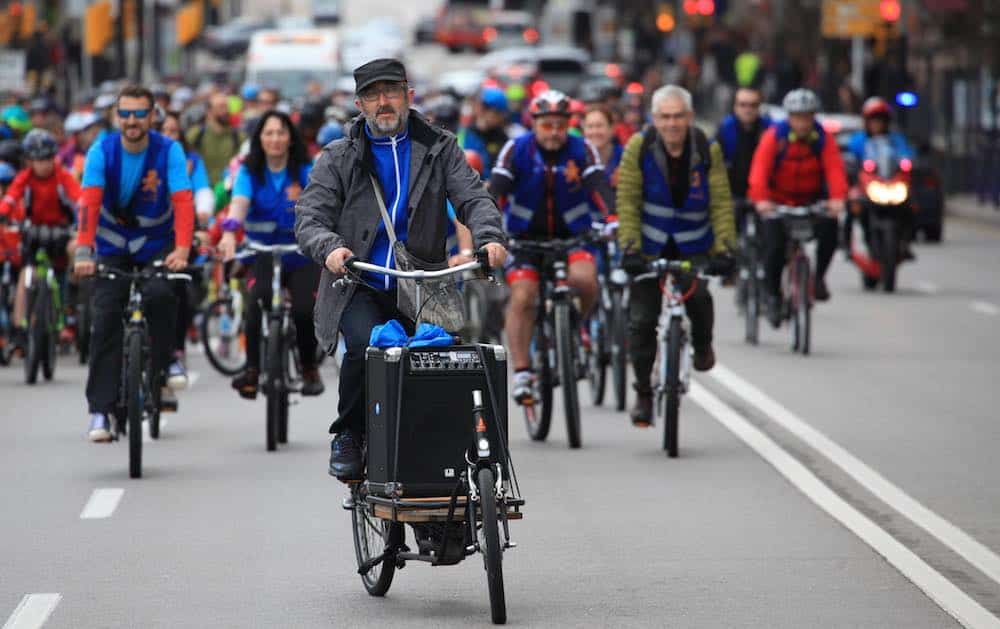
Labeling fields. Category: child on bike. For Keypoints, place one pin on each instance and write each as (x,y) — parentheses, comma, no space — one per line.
(45,194)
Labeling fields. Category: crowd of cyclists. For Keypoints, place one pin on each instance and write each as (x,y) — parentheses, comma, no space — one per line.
(174,175)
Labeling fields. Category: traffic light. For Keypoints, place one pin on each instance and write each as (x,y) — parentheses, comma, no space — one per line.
(889,10)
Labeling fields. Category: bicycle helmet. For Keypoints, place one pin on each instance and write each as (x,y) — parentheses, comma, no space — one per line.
(800,101)
(550,102)
(7,173)
(17,119)
(39,144)
(250,92)
(875,106)
(329,132)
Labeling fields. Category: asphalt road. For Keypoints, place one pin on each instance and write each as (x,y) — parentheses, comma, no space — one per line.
(736,532)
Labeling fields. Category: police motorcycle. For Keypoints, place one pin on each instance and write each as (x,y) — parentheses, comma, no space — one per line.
(435,450)
(880,202)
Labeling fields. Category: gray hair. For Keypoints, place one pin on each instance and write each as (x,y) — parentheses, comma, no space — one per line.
(672,91)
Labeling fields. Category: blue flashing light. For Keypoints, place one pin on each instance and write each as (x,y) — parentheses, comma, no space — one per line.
(907,99)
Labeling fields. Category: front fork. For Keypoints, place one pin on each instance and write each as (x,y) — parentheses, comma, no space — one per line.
(479,456)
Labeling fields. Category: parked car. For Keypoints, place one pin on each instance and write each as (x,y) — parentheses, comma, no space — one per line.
(461,27)
(507,29)
(232,39)
(564,68)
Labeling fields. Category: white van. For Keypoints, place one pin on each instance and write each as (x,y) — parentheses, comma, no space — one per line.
(289,59)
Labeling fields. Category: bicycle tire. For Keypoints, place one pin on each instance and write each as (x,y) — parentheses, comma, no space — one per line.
(379,578)
(890,259)
(597,361)
(50,350)
(538,417)
(134,401)
(283,396)
(274,350)
(672,387)
(156,393)
(751,312)
(619,349)
(36,334)
(567,372)
(492,550)
(803,312)
(209,315)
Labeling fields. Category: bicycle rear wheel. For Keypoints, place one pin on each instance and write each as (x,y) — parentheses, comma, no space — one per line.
(283,396)
(273,382)
(50,349)
(803,318)
(672,387)
(372,537)
(491,548)
(566,350)
(134,401)
(619,348)
(538,416)
(156,393)
(752,306)
(36,340)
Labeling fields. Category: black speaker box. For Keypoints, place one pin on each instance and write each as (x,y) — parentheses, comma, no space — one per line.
(419,415)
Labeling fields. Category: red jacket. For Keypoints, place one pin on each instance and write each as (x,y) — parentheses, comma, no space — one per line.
(799,178)
(50,201)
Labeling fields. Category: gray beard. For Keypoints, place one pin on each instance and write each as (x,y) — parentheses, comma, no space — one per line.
(379,131)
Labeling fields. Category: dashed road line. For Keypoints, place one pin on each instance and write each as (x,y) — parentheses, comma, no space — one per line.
(947,533)
(32,611)
(940,590)
(985,307)
(102,503)
(928,288)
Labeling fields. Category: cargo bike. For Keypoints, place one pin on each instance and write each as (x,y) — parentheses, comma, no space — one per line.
(436,454)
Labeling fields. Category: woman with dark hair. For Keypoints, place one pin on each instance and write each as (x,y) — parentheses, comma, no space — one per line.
(267,186)
(204,205)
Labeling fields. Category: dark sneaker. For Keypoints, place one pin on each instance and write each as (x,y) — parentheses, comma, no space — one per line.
(246,383)
(345,457)
(312,384)
(820,292)
(774,311)
(642,412)
(704,359)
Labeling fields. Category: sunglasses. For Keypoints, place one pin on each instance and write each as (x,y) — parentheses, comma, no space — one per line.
(553,125)
(141,114)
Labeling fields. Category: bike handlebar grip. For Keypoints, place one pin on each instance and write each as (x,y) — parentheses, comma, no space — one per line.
(349,262)
(483,258)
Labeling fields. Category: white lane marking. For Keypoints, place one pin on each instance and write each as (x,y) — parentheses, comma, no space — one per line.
(985,307)
(928,288)
(32,611)
(943,592)
(102,503)
(947,533)
(193,377)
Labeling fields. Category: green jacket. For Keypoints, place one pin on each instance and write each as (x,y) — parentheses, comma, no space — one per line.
(629,201)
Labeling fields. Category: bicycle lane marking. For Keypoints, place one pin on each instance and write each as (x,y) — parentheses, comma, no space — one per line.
(960,542)
(943,592)
(32,611)
(102,504)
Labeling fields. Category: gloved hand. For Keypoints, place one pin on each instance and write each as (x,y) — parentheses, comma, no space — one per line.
(722,264)
(633,264)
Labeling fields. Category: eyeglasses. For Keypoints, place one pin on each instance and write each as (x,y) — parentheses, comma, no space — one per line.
(751,104)
(392,91)
(141,114)
(553,125)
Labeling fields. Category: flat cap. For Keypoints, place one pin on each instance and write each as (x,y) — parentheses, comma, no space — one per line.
(378,70)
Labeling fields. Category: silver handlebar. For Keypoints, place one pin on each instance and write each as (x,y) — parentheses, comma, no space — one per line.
(418,274)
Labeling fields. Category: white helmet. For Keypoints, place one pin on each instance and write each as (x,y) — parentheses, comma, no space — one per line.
(800,101)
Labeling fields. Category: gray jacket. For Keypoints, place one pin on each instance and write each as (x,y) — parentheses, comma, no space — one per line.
(338,208)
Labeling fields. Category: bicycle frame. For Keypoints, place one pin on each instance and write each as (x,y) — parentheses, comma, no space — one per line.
(672,307)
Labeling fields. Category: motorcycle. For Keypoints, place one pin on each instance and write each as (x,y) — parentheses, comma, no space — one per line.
(881,204)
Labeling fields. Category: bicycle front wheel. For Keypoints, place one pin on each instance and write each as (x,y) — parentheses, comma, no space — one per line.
(538,415)
(597,357)
(491,548)
(619,348)
(134,401)
(222,335)
(672,387)
(37,337)
(752,306)
(803,317)
(566,350)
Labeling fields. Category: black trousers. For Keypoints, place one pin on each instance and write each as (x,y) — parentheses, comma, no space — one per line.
(367,308)
(302,284)
(109,299)
(645,301)
(776,242)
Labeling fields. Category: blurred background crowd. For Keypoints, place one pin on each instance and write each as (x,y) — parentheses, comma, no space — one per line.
(218,63)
